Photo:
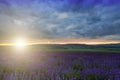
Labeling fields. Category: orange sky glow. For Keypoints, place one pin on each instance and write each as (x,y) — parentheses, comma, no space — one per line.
(67,41)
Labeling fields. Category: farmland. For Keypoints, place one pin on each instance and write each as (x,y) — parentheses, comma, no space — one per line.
(35,64)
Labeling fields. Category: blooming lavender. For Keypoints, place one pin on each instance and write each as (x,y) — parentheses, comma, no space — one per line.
(64,66)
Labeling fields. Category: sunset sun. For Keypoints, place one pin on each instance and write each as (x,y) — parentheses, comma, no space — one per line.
(20,43)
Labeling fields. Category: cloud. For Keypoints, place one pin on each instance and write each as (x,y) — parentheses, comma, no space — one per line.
(68,19)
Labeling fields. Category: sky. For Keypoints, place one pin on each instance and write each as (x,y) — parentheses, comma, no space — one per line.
(60,21)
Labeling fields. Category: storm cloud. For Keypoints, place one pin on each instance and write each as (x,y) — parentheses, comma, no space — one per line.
(59,19)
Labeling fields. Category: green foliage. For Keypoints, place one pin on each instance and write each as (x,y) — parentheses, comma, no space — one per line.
(72,75)
(43,70)
(77,67)
(6,69)
(58,63)
(96,77)
(91,77)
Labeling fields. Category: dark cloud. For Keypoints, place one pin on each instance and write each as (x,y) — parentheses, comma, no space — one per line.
(56,19)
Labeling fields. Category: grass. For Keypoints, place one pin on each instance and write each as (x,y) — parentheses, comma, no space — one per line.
(86,50)
(68,48)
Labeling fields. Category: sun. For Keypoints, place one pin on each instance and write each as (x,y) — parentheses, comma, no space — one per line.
(20,43)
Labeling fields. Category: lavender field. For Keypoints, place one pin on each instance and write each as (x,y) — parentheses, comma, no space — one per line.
(59,65)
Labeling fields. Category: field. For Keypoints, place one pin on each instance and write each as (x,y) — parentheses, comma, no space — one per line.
(35,64)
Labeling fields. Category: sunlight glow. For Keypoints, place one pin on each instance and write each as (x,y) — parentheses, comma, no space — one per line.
(20,43)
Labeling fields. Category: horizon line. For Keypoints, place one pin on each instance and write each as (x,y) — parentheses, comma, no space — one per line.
(90,43)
